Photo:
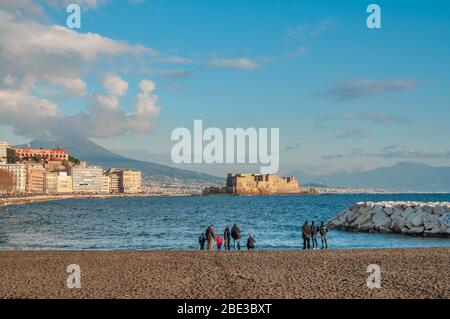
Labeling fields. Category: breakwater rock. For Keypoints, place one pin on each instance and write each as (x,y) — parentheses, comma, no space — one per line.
(409,218)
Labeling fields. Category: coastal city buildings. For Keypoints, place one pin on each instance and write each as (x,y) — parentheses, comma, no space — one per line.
(19,175)
(35,178)
(3,151)
(113,176)
(130,181)
(105,184)
(87,179)
(124,180)
(44,171)
(58,183)
(47,155)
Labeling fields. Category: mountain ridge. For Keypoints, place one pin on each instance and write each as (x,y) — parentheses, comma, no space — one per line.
(402,176)
(86,150)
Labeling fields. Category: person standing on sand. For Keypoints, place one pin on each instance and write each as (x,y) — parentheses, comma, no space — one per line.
(306,233)
(314,231)
(219,242)
(236,235)
(210,237)
(251,242)
(227,238)
(323,235)
(201,241)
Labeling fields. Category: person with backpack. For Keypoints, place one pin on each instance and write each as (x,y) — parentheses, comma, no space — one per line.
(201,241)
(219,242)
(236,235)
(324,235)
(314,231)
(210,237)
(306,233)
(226,238)
(251,242)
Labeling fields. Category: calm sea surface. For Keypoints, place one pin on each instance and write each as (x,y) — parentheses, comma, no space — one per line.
(177,222)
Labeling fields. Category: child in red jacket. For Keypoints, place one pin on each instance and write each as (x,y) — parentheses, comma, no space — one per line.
(219,242)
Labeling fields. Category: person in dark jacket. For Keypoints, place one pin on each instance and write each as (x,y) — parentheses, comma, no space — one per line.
(227,238)
(251,242)
(201,241)
(236,235)
(314,231)
(210,237)
(306,234)
(324,235)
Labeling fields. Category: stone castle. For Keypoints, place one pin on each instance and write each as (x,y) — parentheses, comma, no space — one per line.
(257,184)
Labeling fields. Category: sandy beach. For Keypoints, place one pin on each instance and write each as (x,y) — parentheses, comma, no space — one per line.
(405,273)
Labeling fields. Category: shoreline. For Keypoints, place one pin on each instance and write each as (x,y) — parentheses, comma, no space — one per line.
(23,200)
(229,275)
(29,199)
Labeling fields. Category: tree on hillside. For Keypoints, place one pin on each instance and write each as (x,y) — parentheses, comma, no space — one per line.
(12,157)
(74,160)
(6,182)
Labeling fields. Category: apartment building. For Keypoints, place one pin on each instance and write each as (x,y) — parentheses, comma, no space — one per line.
(130,181)
(35,180)
(3,151)
(19,174)
(48,155)
(87,179)
(113,175)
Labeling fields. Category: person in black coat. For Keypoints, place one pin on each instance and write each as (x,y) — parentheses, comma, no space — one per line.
(236,235)
(227,238)
(251,242)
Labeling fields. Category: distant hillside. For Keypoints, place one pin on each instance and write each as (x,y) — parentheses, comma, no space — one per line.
(403,176)
(86,150)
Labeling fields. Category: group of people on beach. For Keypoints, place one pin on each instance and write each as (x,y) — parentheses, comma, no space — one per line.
(210,237)
(309,234)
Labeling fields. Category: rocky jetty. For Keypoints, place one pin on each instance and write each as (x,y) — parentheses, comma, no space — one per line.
(409,218)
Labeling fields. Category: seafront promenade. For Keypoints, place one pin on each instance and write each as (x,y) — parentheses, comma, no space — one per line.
(22,200)
(405,273)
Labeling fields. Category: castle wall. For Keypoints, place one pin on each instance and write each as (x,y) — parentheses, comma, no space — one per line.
(253,184)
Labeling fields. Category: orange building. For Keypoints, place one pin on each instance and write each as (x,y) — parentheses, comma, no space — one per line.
(48,155)
(35,179)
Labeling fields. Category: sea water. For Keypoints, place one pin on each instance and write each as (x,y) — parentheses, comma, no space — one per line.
(177,222)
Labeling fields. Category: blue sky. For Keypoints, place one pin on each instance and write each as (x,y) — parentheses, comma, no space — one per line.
(344,97)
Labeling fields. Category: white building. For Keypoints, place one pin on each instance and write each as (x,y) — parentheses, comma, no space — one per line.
(87,179)
(3,151)
(19,174)
(58,183)
(106,184)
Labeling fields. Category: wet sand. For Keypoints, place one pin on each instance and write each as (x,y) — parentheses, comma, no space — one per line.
(405,273)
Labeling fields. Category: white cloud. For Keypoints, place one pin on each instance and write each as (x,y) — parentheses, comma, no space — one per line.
(115,85)
(73,86)
(147,86)
(104,117)
(26,7)
(353,134)
(365,87)
(240,63)
(86,4)
(9,80)
(300,51)
(303,34)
